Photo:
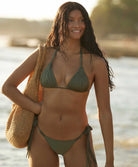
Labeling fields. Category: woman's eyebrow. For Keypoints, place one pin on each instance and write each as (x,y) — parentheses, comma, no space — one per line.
(71,16)
(81,17)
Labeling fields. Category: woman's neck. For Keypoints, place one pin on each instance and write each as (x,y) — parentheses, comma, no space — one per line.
(71,46)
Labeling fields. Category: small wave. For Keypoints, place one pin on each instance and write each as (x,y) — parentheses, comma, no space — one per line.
(130,142)
(3,140)
(13,54)
(126,143)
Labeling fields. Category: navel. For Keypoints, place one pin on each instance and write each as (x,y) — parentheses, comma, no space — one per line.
(60,117)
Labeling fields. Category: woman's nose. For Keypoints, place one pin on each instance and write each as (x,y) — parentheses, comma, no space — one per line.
(76,24)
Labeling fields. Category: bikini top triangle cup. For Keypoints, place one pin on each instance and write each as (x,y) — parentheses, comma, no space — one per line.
(79,82)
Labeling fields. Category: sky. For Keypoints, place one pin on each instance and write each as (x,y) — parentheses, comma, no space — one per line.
(37,9)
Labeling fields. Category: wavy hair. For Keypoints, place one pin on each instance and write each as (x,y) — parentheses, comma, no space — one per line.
(88,41)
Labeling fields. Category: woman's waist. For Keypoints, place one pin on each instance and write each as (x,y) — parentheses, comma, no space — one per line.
(62,125)
(63,100)
(63,115)
(63,107)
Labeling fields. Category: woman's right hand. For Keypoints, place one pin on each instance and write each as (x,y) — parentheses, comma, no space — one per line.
(37,108)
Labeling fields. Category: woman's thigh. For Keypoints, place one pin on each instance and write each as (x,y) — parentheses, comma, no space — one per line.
(41,155)
(77,155)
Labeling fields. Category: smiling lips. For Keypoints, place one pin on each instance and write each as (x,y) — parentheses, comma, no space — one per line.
(76,31)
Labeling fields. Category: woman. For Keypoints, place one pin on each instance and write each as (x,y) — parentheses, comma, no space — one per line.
(73,63)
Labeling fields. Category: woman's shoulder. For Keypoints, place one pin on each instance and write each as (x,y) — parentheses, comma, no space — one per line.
(49,51)
(95,59)
(99,64)
(46,48)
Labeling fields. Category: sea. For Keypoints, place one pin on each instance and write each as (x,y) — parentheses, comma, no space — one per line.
(124,106)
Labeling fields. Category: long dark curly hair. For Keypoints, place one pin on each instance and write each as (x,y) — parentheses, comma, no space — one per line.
(88,40)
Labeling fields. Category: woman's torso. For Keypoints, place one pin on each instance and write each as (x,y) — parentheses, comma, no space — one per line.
(63,114)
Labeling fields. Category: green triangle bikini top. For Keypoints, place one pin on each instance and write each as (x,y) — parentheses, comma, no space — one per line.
(79,82)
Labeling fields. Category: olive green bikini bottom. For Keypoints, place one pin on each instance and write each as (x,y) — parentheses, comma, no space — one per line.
(62,146)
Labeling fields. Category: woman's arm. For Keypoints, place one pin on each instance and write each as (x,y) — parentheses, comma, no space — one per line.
(9,88)
(101,85)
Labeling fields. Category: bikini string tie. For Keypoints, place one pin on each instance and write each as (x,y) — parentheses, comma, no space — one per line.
(31,135)
(89,151)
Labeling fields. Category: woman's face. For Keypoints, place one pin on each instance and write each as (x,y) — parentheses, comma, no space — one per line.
(76,24)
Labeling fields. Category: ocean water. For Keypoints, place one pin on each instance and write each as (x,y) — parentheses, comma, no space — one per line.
(124,105)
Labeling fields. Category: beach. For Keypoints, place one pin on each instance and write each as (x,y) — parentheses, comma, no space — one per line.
(124,105)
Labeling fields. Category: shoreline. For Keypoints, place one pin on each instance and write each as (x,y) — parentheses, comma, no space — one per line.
(113,48)
(119,48)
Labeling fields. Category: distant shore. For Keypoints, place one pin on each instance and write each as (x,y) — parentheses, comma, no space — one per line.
(110,47)
(118,48)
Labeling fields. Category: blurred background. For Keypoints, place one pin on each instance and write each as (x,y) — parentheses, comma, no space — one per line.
(25,24)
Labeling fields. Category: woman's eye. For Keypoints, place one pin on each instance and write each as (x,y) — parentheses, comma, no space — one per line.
(82,20)
(70,20)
